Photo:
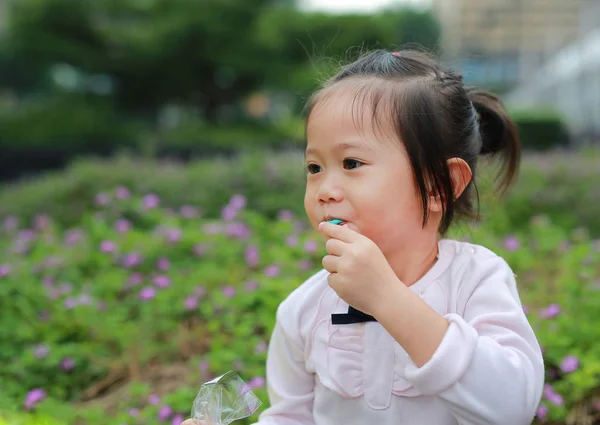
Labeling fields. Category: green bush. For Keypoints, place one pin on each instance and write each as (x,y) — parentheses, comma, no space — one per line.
(540,129)
(271,183)
(62,124)
(194,139)
(26,419)
(116,296)
(561,186)
(46,133)
(121,317)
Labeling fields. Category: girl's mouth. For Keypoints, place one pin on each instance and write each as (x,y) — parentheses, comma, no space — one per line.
(337,221)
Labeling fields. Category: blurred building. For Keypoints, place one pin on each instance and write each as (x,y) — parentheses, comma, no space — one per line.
(502,42)
(569,83)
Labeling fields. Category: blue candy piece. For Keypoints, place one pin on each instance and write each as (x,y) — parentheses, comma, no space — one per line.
(336,221)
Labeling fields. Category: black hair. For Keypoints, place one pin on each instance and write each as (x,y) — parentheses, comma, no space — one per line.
(436,117)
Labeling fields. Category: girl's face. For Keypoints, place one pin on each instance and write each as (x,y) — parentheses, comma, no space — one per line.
(360,175)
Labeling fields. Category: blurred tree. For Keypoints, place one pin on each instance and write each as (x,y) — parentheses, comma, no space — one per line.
(154,51)
(170,76)
(208,54)
(307,47)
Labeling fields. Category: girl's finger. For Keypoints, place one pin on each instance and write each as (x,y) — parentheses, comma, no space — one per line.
(330,263)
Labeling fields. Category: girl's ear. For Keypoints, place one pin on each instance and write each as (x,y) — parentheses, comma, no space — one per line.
(461,175)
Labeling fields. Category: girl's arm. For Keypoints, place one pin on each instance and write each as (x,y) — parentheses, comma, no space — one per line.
(485,364)
(290,386)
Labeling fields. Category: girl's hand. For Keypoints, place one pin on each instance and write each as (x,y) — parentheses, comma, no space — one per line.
(359,272)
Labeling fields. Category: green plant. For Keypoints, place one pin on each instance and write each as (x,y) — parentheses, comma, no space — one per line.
(119,318)
(541,129)
(559,185)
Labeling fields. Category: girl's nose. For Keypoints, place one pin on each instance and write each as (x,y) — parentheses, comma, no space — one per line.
(329,191)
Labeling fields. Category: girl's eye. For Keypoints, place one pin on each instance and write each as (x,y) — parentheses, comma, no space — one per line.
(350,164)
(313,168)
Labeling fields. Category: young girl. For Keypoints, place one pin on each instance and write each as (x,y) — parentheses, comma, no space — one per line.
(403,326)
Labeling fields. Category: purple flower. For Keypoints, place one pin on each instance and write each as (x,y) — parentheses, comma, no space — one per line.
(135,279)
(41,351)
(213,228)
(525,309)
(552,396)
(237,201)
(122,225)
(191,303)
(569,364)
(291,241)
(310,245)
(107,246)
(150,201)
(132,259)
(551,311)
(122,193)
(228,213)
(41,222)
(285,215)
(70,303)
(173,235)
(162,281)
(11,223)
(4,270)
(203,366)
(85,299)
(272,271)
(187,211)
(238,230)
(73,236)
(261,347)
(147,293)
(542,412)
(163,264)
(229,291)
(153,399)
(199,249)
(251,285)
(67,364)
(26,235)
(164,413)
(199,291)
(511,243)
(177,419)
(102,199)
(256,382)
(133,412)
(52,262)
(304,265)
(252,257)
(34,397)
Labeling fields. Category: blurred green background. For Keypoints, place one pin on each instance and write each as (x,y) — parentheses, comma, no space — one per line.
(152,183)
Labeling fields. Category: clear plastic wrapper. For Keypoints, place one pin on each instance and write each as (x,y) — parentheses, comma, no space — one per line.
(225,399)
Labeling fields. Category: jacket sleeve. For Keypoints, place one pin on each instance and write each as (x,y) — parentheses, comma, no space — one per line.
(290,386)
(489,367)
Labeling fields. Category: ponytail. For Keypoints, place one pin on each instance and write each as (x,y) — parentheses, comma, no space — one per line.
(499,135)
